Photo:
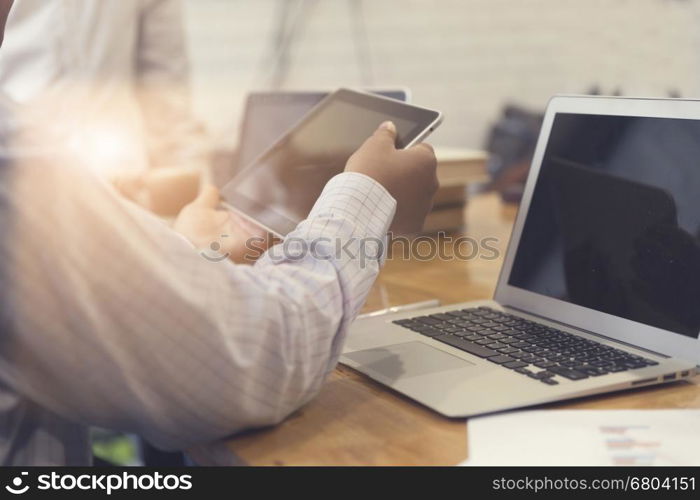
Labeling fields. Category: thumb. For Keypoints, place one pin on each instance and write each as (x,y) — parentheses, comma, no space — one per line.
(386,132)
(208,197)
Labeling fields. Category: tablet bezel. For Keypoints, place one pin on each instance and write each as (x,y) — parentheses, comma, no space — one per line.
(426,121)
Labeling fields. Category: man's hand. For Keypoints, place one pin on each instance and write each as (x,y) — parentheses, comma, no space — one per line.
(220,233)
(164,191)
(409,175)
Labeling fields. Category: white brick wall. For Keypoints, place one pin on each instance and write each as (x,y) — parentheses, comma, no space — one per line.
(465,57)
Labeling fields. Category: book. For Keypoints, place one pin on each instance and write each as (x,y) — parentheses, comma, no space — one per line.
(459,166)
(445,218)
(450,195)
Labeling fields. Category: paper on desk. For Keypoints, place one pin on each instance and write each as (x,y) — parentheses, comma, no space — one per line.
(586,437)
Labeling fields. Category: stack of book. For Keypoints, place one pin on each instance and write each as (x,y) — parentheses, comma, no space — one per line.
(457,170)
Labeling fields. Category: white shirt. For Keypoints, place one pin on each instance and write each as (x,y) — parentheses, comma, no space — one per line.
(110,318)
(115,72)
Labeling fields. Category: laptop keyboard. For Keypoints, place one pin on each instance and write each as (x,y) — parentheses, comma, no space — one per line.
(537,351)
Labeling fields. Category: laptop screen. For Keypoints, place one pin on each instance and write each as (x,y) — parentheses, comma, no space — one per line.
(614,220)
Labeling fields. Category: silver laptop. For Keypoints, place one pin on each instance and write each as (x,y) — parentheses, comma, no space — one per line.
(600,285)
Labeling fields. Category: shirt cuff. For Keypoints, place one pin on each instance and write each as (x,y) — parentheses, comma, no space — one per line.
(358,199)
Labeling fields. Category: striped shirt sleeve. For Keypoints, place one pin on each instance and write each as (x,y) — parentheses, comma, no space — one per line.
(116,321)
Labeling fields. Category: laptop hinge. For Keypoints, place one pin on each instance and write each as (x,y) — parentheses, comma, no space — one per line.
(617,341)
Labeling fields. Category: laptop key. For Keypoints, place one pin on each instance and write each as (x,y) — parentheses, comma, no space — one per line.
(549,381)
(429,332)
(616,368)
(508,350)
(515,364)
(501,359)
(512,331)
(509,340)
(519,354)
(522,344)
(441,317)
(404,322)
(567,372)
(496,345)
(416,326)
(457,314)
(428,321)
(466,346)
(453,329)
(497,336)
(595,372)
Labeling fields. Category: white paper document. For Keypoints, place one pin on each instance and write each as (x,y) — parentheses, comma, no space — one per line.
(586,437)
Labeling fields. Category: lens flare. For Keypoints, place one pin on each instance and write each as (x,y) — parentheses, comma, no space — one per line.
(105,149)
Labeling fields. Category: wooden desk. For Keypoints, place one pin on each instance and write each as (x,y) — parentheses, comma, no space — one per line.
(355,421)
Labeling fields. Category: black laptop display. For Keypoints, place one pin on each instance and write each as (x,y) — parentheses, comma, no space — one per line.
(615,217)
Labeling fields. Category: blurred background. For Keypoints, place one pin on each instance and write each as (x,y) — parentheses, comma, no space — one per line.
(467,58)
(112,75)
(115,78)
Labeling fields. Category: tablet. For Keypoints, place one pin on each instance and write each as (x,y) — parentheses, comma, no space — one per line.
(269,114)
(279,188)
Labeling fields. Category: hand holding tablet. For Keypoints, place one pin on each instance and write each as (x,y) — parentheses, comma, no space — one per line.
(409,175)
(279,188)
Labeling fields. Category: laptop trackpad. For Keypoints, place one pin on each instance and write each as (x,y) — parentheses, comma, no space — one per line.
(409,359)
